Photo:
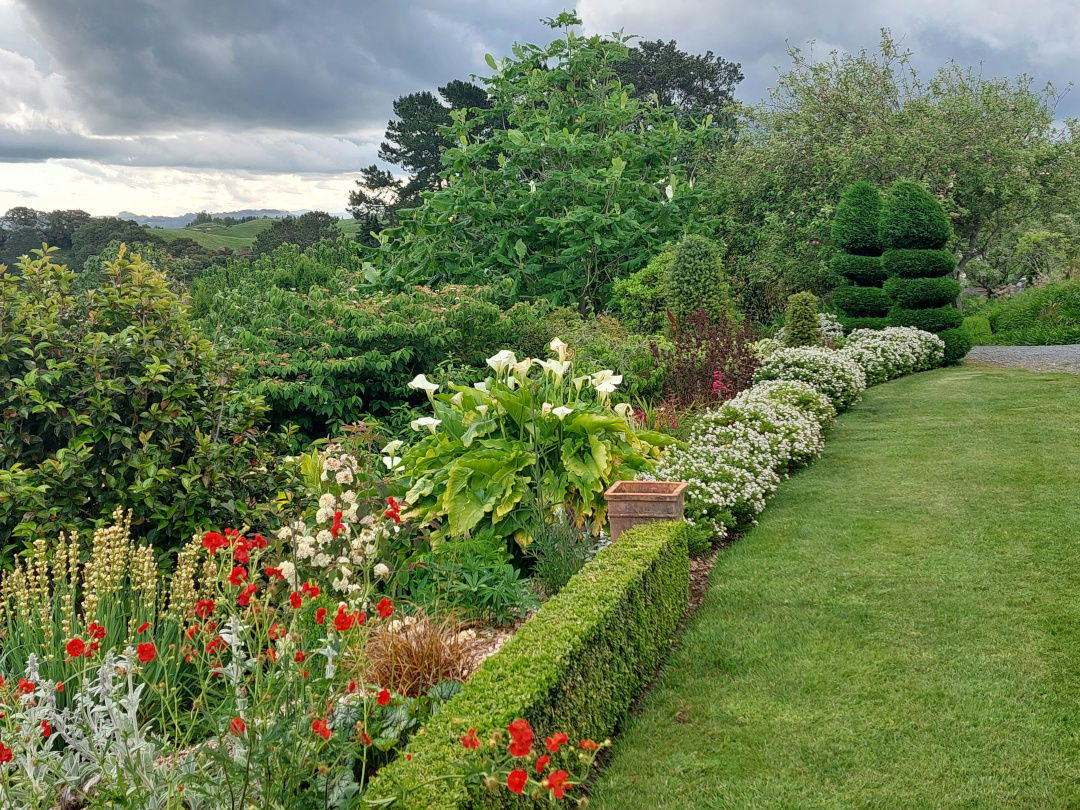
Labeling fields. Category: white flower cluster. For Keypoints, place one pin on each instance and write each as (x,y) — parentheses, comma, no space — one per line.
(885,354)
(833,373)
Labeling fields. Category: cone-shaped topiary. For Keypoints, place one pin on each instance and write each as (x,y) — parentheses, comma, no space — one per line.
(856,224)
(697,279)
(913,219)
(801,326)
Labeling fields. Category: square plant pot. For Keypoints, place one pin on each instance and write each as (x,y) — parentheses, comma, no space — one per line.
(634,502)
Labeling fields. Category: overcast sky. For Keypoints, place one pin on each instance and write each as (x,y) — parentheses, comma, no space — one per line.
(168,106)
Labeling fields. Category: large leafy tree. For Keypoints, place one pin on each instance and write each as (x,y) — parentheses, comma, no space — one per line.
(988,148)
(578,183)
(302,231)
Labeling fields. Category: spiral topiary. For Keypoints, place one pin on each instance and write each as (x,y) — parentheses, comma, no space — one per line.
(913,219)
(856,225)
(856,231)
(697,279)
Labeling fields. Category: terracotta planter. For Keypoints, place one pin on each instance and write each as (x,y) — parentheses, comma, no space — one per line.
(634,502)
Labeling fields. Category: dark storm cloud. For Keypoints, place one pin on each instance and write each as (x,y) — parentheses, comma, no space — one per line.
(152,66)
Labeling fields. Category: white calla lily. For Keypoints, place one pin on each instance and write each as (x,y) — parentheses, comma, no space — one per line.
(502,361)
(481,386)
(624,409)
(422,383)
(522,368)
(556,368)
(545,409)
(562,412)
(429,422)
(558,347)
(458,397)
(579,381)
(393,447)
(481,409)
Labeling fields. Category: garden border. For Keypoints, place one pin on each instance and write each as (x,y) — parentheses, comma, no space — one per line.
(577,666)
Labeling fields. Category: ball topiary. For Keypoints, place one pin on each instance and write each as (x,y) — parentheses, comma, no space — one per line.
(957,345)
(918,263)
(912,218)
(865,271)
(861,301)
(851,324)
(801,325)
(922,293)
(856,225)
(929,320)
(697,280)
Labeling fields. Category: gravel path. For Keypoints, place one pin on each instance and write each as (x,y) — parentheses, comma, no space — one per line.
(1034,358)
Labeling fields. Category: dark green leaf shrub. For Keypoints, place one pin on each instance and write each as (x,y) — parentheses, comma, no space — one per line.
(850,324)
(801,320)
(977,328)
(922,293)
(113,398)
(957,345)
(930,320)
(913,218)
(640,299)
(865,271)
(577,666)
(861,301)
(857,222)
(696,279)
(918,263)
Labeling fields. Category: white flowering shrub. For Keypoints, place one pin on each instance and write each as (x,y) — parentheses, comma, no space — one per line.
(795,393)
(795,436)
(833,373)
(885,354)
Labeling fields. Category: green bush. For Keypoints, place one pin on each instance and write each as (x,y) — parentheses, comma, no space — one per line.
(851,324)
(112,397)
(1046,315)
(929,320)
(857,222)
(866,271)
(913,218)
(696,279)
(801,324)
(640,299)
(861,301)
(577,666)
(922,293)
(957,345)
(977,328)
(918,263)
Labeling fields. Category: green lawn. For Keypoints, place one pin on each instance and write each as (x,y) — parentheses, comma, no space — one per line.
(902,630)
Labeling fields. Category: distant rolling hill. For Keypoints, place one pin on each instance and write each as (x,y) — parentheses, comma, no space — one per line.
(185,219)
(235,237)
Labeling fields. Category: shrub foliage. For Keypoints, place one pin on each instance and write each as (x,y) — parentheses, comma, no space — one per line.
(910,263)
(696,279)
(855,228)
(801,325)
(912,218)
(921,293)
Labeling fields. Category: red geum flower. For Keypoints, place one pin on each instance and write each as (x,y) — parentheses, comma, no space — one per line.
(204,608)
(257,542)
(320,728)
(271,653)
(6,754)
(335,530)
(320,615)
(384,698)
(59,688)
(96,631)
(589,745)
(237,726)
(516,781)
(555,741)
(556,783)
(238,576)
(296,600)
(276,632)
(26,687)
(240,553)
(364,738)
(310,591)
(542,763)
(46,729)
(147,652)
(245,595)
(213,541)
(299,657)
(343,621)
(93,648)
(274,573)
(215,645)
(521,736)
(143,628)
(191,631)
(75,648)
(385,608)
(470,740)
(393,510)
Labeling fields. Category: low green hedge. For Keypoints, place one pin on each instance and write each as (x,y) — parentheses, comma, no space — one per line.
(957,345)
(937,319)
(977,328)
(851,324)
(921,293)
(918,263)
(870,301)
(865,271)
(576,666)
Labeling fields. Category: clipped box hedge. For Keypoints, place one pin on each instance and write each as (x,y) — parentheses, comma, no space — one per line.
(866,271)
(922,293)
(576,666)
(929,320)
(865,301)
(918,263)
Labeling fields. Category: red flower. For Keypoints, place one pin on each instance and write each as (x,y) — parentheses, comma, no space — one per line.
(310,591)
(96,631)
(257,542)
(46,729)
(556,783)
(213,541)
(241,554)
(59,688)
(93,648)
(542,763)
(470,740)
(296,600)
(385,608)
(553,743)
(5,754)
(276,632)
(516,781)
(394,510)
(320,728)
(589,745)
(245,595)
(521,736)
(320,615)
(238,576)
(352,687)
(191,631)
(364,738)
(343,621)
(237,726)
(271,653)
(75,648)
(204,608)
(359,618)
(143,628)
(335,530)
(299,657)
(215,645)
(384,698)
(147,652)
(274,573)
